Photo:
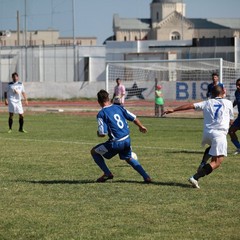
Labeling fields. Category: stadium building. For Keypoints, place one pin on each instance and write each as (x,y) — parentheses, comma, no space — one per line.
(168,22)
(53,67)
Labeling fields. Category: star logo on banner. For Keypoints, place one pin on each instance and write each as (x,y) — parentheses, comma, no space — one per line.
(135,91)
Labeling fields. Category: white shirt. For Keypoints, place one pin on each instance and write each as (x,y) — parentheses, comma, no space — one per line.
(217,113)
(14,91)
(119,91)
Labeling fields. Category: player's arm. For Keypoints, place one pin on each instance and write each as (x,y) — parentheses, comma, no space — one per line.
(102,128)
(208,94)
(100,134)
(140,126)
(5,98)
(234,103)
(123,91)
(114,95)
(224,91)
(25,98)
(180,108)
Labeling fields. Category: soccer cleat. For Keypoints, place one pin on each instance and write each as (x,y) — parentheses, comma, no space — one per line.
(22,131)
(148,180)
(10,131)
(193,182)
(237,151)
(104,178)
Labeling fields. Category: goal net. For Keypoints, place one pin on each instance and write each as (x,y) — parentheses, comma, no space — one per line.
(181,80)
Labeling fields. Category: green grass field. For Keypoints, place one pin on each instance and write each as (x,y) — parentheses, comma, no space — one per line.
(48,189)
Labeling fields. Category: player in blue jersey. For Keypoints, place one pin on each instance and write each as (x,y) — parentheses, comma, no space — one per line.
(236,124)
(112,121)
(215,82)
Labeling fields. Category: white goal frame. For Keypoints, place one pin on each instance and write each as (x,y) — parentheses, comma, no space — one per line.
(182,81)
(195,70)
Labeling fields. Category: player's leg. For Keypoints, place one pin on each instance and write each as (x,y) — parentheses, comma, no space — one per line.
(126,154)
(97,154)
(135,164)
(162,109)
(156,110)
(217,150)
(205,170)
(10,121)
(21,122)
(206,157)
(208,168)
(11,111)
(232,132)
(19,110)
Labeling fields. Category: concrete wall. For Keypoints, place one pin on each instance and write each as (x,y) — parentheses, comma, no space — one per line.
(63,90)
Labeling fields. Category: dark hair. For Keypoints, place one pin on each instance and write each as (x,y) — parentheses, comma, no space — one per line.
(214,74)
(238,80)
(14,74)
(103,96)
(216,91)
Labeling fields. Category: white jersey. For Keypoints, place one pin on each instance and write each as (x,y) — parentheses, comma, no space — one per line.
(14,91)
(217,113)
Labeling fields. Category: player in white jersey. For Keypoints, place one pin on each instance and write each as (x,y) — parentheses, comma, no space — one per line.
(218,115)
(13,99)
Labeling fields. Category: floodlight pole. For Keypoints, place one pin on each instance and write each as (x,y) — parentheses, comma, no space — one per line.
(75,78)
(25,39)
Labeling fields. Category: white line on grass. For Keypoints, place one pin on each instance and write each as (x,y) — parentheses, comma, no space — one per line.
(91,143)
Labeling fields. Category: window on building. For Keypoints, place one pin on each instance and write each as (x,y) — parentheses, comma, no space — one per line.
(175,36)
(157,16)
(125,38)
(136,38)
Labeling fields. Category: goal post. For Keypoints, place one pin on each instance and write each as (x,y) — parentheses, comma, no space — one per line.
(182,80)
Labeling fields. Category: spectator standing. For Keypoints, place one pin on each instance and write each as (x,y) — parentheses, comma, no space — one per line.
(159,101)
(119,93)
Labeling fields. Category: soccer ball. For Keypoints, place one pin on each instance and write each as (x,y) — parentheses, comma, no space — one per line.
(134,155)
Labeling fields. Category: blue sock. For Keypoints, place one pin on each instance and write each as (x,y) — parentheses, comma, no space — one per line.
(99,160)
(236,143)
(137,166)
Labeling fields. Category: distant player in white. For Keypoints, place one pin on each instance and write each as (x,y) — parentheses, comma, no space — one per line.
(13,99)
(218,115)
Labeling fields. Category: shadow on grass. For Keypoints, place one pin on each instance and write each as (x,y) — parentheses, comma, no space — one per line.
(51,182)
(185,151)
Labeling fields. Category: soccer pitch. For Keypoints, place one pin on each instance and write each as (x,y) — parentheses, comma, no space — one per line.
(48,189)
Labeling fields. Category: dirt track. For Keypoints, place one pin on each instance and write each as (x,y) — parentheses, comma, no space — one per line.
(90,107)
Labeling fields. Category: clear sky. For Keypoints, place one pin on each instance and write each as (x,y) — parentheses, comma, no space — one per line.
(93,18)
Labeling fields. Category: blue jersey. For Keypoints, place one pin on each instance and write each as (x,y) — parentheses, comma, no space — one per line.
(112,120)
(210,87)
(237,100)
